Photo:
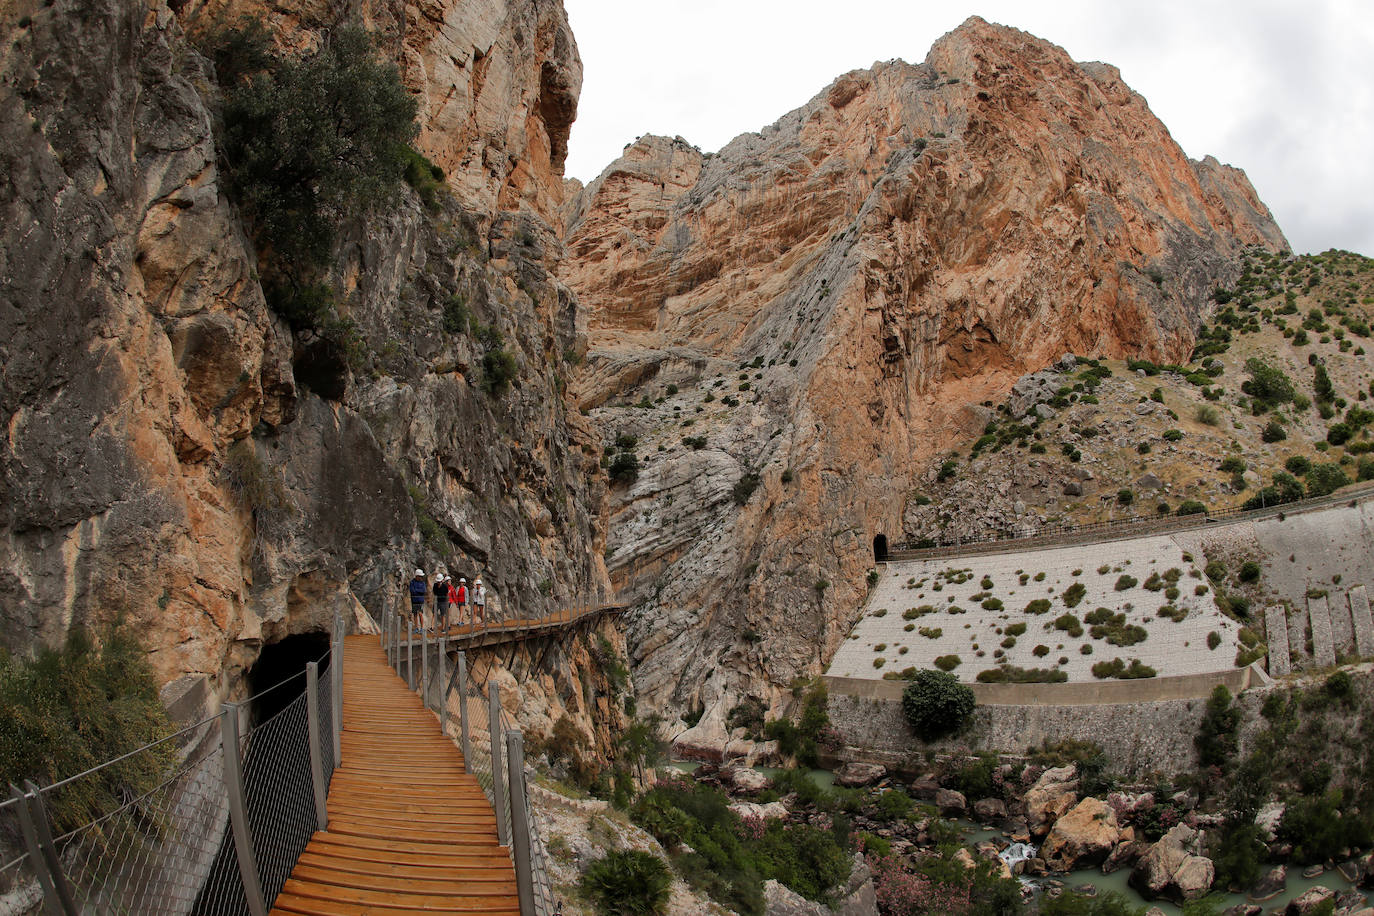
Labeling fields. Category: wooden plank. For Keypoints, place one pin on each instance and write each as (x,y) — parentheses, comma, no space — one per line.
(410,830)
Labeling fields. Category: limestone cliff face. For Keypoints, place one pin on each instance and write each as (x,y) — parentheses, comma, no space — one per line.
(164,456)
(497,82)
(822,302)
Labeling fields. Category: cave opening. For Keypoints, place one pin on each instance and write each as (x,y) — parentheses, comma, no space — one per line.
(278,676)
(880,548)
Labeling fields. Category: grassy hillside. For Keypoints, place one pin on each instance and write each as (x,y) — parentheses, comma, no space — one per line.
(1276,403)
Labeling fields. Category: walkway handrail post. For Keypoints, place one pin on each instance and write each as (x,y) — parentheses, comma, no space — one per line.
(238,812)
(410,656)
(441,687)
(463,726)
(424,666)
(57,895)
(312,718)
(519,809)
(336,662)
(498,791)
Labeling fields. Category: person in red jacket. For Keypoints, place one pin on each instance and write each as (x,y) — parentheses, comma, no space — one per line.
(460,599)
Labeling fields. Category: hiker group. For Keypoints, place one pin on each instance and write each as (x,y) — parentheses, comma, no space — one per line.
(458,598)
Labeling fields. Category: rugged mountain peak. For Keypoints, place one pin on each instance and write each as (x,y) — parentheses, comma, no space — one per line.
(860,276)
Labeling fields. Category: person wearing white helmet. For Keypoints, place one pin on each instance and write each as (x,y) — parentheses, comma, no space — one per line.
(441,598)
(418,592)
(479,602)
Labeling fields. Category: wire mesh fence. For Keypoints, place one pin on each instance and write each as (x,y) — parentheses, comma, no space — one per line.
(150,832)
(278,793)
(19,891)
(326,735)
(153,853)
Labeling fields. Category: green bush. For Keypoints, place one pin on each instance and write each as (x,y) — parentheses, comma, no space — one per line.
(1190,507)
(1070,624)
(1297,464)
(1173,435)
(1012,674)
(69,709)
(801,739)
(1074,594)
(744,488)
(1323,479)
(294,163)
(936,704)
(1124,582)
(1039,605)
(948,662)
(628,883)
(1267,384)
(624,468)
(1273,432)
(1218,734)
(424,176)
(498,370)
(1125,497)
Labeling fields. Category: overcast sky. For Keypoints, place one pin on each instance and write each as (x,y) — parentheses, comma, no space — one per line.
(1283,89)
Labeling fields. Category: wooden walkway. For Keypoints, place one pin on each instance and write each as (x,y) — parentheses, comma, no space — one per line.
(493,632)
(410,831)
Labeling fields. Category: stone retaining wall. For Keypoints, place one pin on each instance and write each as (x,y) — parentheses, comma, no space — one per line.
(1082,693)
(1138,737)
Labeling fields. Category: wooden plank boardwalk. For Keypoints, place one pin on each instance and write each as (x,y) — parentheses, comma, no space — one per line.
(410,831)
(473,636)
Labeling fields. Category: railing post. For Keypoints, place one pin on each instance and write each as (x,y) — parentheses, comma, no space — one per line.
(463,726)
(424,667)
(520,827)
(238,812)
(395,623)
(312,719)
(57,894)
(336,673)
(441,686)
(498,791)
(410,657)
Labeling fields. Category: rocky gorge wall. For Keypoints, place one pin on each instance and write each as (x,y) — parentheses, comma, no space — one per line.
(787,329)
(170,454)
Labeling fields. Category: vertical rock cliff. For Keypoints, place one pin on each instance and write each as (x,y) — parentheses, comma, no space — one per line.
(169,454)
(791,327)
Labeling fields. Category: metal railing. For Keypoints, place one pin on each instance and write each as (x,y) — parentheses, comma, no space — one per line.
(492,747)
(217,835)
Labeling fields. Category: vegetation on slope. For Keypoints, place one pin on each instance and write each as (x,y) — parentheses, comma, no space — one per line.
(1274,405)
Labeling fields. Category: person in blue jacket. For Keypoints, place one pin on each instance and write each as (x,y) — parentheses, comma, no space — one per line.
(418,592)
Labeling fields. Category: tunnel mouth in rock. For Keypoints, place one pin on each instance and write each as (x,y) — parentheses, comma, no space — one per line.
(277,678)
(880,548)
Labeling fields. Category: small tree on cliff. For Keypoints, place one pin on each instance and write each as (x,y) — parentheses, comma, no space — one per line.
(1217,737)
(936,704)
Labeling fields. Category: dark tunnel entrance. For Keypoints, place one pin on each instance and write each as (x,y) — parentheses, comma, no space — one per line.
(278,676)
(880,548)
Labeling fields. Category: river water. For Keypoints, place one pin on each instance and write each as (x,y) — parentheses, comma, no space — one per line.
(1116,881)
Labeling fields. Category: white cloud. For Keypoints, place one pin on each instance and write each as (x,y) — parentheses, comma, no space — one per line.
(1278,89)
